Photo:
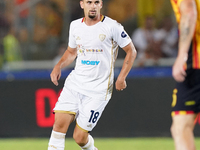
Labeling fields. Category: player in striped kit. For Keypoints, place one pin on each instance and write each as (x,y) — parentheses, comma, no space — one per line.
(93,41)
(186,71)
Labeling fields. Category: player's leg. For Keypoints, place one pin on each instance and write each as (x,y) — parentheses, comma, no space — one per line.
(62,122)
(83,139)
(185,104)
(182,131)
(90,112)
(65,111)
(60,127)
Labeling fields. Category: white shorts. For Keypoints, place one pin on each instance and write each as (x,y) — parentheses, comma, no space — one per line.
(87,110)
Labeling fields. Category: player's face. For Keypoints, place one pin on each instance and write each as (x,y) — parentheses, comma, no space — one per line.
(91,7)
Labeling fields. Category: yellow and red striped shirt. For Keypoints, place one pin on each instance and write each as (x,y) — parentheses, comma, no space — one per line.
(195,56)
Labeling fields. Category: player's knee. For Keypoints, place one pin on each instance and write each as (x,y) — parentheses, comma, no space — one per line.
(59,127)
(172,130)
(80,139)
(176,130)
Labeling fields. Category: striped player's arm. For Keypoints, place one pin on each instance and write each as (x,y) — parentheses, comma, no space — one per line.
(187,25)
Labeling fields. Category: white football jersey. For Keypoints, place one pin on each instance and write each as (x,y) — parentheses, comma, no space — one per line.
(97,49)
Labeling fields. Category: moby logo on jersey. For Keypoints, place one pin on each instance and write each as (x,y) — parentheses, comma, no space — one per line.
(87,62)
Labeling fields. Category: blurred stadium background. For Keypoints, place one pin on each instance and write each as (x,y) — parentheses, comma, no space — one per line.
(33,36)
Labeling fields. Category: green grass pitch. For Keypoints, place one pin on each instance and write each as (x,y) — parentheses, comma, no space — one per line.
(161,143)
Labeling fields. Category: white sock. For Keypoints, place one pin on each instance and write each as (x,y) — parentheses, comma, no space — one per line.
(90,144)
(57,141)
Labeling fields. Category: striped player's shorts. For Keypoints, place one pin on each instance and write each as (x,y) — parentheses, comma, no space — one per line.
(186,95)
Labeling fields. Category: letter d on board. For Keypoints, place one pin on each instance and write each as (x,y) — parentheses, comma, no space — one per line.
(41,119)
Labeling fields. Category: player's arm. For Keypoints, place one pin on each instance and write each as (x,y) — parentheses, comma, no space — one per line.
(67,58)
(186,28)
(127,65)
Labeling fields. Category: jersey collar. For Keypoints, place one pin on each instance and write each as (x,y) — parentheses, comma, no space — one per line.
(102,19)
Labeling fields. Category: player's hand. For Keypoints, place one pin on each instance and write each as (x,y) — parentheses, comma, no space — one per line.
(120,84)
(178,71)
(55,75)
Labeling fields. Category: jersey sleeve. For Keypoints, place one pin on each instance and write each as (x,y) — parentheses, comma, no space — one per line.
(120,36)
(175,6)
(72,40)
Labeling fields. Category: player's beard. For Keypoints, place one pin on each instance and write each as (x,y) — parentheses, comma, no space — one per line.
(92,15)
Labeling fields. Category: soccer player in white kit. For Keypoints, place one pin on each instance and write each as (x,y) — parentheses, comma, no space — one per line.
(93,41)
